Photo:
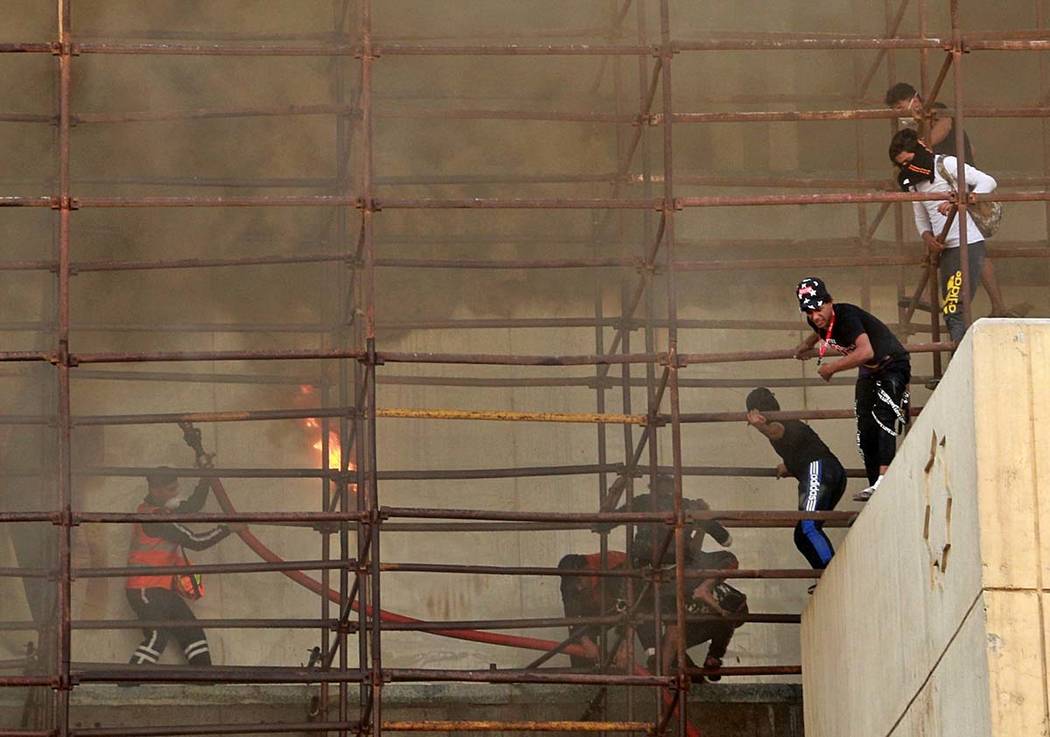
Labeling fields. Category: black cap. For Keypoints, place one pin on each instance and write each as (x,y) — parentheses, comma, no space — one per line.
(161,476)
(763,400)
(812,294)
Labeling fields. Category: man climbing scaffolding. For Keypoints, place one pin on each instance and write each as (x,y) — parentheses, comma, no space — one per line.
(821,478)
(884,372)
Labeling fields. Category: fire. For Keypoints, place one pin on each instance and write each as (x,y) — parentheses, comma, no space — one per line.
(312,427)
(334,449)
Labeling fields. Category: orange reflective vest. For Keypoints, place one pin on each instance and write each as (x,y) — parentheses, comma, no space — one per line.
(147,550)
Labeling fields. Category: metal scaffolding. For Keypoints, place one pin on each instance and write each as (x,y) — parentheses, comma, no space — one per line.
(351,569)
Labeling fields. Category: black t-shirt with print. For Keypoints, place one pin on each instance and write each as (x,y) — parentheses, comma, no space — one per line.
(850,322)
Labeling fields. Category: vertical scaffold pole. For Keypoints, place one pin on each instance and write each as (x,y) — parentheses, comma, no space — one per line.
(64,50)
(666,58)
(960,172)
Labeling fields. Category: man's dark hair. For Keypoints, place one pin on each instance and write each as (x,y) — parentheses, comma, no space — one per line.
(904,140)
(763,400)
(161,476)
(899,92)
(572,562)
(662,484)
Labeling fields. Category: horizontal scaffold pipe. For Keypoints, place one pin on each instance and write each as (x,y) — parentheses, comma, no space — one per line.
(748,43)
(504,527)
(481,359)
(609,573)
(787,518)
(221,416)
(805,414)
(722,43)
(229,674)
(165,356)
(301,516)
(573,116)
(409,675)
(485,203)
(1033,251)
(789,353)
(137,624)
(333,624)
(481,624)
(390,475)
(511,416)
(216,674)
(460,725)
(260,567)
(435,474)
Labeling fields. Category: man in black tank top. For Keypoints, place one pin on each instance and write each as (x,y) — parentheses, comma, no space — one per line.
(883,372)
(821,478)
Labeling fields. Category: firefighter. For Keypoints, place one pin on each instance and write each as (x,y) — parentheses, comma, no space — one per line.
(164,596)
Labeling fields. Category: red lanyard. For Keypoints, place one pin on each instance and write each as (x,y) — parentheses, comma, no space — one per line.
(827,337)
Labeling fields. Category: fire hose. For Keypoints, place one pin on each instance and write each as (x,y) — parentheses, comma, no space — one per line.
(192,436)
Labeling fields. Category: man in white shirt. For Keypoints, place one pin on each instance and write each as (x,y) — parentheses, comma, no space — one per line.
(923,171)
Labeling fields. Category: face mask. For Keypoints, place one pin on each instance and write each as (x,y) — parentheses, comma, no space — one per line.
(173,503)
(919,169)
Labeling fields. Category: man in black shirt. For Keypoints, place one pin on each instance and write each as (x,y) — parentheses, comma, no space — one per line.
(648,537)
(821,478)
(884,371)
(906,100)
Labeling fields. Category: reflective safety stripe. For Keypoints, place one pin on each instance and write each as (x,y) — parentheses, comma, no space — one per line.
(146,652)
(193,652)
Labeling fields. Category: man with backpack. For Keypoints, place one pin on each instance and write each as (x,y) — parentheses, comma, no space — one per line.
(923,171)
(940,137)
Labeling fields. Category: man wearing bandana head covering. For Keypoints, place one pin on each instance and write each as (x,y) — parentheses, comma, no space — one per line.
(884,371)
(920,170)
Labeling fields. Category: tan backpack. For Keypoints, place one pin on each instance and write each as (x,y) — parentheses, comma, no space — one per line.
(987,215)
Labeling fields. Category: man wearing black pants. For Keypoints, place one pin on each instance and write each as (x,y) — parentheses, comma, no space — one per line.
(163,596)
(884,372)
(648,537)
(719,632)
(821,478)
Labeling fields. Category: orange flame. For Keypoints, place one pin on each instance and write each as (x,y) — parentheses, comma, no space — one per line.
(312,426)
(334,449)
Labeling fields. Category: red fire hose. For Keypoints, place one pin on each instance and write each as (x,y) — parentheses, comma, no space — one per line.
(492,638)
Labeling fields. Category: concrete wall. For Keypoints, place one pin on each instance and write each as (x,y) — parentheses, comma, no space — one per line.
(930,620)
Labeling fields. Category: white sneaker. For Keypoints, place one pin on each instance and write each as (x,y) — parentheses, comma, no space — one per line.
(865,494)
